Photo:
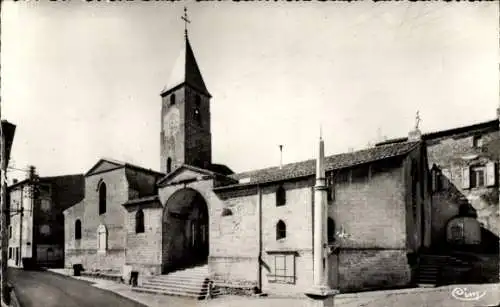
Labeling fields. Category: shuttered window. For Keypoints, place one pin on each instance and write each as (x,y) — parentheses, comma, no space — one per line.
(479,176)
(284,269)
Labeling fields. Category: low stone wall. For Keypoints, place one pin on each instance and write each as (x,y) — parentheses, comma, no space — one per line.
(232,289)
(92,260)
(368,269)
(234,275)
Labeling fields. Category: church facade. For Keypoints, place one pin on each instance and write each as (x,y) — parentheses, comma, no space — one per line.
(252,229)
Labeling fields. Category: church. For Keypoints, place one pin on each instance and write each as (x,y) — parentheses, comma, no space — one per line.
(252,231)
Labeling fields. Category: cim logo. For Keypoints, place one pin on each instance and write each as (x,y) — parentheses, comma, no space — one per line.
(463,294)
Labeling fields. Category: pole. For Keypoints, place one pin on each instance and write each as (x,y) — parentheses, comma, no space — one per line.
(3,204)
(3,230)
(281,156)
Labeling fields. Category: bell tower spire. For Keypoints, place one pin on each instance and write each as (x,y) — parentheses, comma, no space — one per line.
(185,136)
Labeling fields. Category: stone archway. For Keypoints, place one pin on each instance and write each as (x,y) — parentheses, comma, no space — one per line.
(184,230)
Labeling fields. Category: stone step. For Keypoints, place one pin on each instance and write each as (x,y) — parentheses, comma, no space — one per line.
(176,284)
(169,292)
(193,279)
(191,282)
(188,274)
(185,288)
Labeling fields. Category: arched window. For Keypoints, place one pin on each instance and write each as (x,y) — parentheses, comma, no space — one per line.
(172,99)
(280,230)
(139,221)
(78,230)
(102,238)
(169,165)
(280,197)
(102,198)
(331,230)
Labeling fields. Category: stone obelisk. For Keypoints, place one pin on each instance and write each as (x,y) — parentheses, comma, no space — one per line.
(320,294)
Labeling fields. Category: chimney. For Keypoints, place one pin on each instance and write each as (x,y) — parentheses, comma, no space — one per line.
(414,136)
(31,172)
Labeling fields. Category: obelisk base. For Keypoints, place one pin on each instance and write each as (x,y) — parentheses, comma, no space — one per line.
(320,296)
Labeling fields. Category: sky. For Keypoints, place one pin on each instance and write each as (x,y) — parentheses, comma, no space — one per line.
(81,80)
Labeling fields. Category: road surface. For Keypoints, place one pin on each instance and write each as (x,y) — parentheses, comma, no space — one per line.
(47,289)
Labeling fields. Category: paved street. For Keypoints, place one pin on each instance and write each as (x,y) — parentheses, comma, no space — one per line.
(47,289)
(56,289)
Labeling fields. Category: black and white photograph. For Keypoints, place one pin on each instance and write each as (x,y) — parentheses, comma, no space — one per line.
(249,153)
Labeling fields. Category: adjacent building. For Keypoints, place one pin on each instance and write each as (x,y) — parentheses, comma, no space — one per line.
(464,165)
(36,226)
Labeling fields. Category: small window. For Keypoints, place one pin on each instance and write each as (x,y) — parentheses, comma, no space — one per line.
(226,212)
(457,234)
(10,252)
(330,183)
(102,198)
(477,141)
(172,99)
(284,269)
(45,230)
(10,232)
(197,112)
(280,230)
(139,222)
(331,230)
(280,196)
(477,177)
(78,230)
(169,165)
(45,205)
(102,238)
(197,115)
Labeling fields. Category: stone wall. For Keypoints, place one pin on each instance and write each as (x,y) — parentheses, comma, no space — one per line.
(297,216)
(144,249)
(372,212)
(85,249)
(372,269)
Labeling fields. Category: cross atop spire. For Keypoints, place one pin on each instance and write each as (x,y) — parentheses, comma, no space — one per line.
(186,21)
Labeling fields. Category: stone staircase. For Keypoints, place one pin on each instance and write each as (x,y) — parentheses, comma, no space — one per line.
(192,282)
(431,267)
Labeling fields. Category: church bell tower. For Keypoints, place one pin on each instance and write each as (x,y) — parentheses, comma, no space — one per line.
(185,136)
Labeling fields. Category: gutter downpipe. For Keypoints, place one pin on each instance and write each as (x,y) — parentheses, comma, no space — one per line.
(259,229)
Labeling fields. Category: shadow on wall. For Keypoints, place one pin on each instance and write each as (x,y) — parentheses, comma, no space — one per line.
(449,204)
(473,249)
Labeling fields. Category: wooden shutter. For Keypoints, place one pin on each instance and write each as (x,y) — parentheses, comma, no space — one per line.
(490,174)
(465,177)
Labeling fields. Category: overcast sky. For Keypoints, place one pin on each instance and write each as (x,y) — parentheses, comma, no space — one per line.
(82,80)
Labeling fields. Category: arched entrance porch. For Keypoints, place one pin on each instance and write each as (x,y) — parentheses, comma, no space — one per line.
(184,230)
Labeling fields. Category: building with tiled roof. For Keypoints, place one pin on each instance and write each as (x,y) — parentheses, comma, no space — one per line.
(36,224)
(251,231)
(464,164)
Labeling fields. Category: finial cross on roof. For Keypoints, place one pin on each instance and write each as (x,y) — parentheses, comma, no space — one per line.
(417,120)
(186,20)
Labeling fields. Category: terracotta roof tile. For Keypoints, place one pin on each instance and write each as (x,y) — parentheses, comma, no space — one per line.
(339,161)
